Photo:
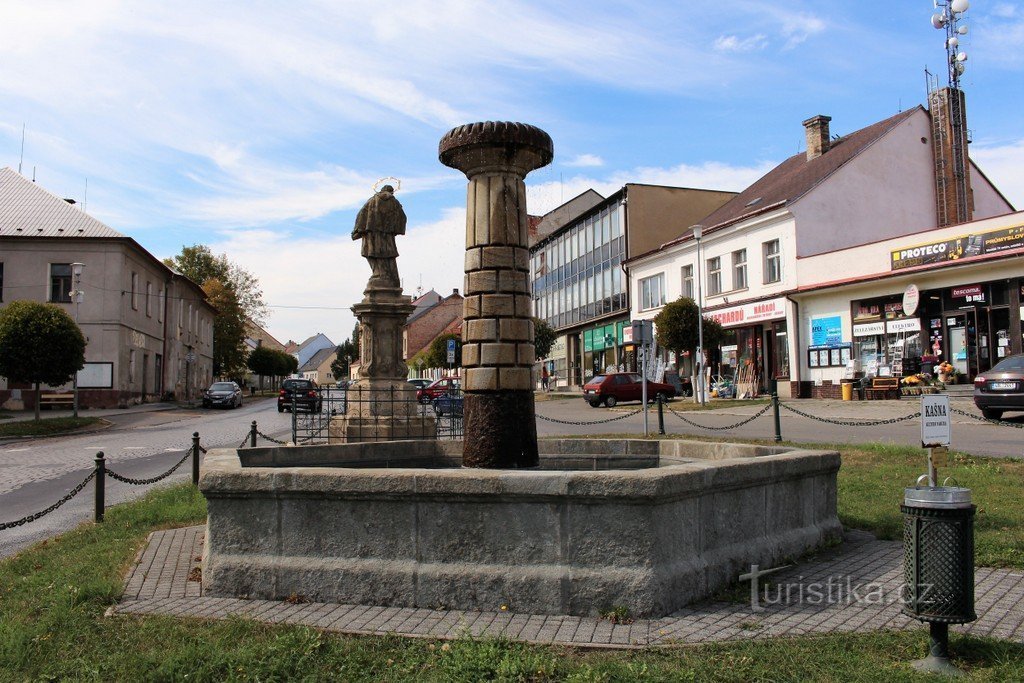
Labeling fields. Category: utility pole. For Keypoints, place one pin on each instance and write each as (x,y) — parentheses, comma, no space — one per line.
(76,294)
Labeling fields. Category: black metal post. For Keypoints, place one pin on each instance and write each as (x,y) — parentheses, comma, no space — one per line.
(661,414)
(295,423)
(778,418)
(101,480)
(195,458)
(252,434)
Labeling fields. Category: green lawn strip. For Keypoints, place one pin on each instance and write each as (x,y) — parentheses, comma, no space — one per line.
(47,426)
(687,405)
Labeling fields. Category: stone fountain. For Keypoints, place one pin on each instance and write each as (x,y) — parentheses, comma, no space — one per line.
(562,526)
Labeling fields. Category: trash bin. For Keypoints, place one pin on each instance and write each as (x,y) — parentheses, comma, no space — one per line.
(938,564)
(847,389)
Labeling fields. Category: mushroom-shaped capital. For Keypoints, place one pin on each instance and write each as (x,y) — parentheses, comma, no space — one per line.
(496,147)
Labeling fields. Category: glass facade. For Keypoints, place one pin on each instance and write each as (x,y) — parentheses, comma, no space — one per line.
(577,274)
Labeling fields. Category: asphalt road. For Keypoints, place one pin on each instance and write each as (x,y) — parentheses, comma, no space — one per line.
(36,473)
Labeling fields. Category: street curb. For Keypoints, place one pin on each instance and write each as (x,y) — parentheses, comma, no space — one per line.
(95,429)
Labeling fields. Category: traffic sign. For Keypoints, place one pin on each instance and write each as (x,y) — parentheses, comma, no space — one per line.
(451,347)
(451,356)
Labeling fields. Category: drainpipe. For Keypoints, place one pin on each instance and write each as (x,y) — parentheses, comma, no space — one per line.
(163,342)
(794,376)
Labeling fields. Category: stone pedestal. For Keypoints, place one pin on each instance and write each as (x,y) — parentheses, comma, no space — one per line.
(381,405)
(497,353)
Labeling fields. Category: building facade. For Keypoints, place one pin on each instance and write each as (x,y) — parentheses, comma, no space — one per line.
(149,329)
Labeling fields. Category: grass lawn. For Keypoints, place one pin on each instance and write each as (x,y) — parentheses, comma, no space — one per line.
(52,627)
(46,426)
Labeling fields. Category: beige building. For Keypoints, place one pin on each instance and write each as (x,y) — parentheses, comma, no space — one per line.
(149,329)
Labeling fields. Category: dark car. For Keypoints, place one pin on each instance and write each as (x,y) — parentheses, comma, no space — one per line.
(224,394)
(304,393)
(1001,389)
(440,387)
(450,404)
(623,386)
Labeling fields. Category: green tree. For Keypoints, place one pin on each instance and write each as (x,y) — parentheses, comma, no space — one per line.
(229,348)
(263,362)
(286,364)
(544,337)
(437,355)
(677,327)
(345,354)
(39,344)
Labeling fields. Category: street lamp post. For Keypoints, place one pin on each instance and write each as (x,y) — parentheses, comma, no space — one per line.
(698,232)
(76,271)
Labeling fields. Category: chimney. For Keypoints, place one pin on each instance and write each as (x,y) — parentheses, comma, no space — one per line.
(816,129)
(954,200)
(70,201)
(455,291)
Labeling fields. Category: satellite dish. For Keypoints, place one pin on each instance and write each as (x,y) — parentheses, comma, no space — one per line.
(961,67)
(961,57)
(952,42)
(938,21)
(959,6)
(962,30)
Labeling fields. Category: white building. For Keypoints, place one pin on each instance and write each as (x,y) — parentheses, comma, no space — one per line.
(881,182)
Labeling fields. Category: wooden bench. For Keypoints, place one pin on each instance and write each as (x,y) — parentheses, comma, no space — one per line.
(883,388)
(56,400)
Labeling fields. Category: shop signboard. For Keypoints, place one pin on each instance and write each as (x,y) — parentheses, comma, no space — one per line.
(827,331)
(869,329)
(905,325)
(911,298)
(961,246)
(747,314)
(971,294)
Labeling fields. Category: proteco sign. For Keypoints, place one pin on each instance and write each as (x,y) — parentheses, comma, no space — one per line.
(961,246)
(936,425)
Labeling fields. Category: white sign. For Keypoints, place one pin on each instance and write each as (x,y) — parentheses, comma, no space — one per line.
(907,325)
(451,356)
(868,329)
(750,313)
(936,422)
(911,298)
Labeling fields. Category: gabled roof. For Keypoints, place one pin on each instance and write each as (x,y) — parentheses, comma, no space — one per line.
(318,358)
(312,339)
(794,177)
(28,210)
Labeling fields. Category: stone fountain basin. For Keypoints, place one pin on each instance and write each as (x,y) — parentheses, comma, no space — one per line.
(646,525)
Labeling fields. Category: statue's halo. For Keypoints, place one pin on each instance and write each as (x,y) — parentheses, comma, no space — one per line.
(390,180)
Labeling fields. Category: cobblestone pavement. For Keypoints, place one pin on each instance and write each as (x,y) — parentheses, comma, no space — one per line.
(853,588)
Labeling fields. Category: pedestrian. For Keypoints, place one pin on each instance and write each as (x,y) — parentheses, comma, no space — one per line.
(544,377)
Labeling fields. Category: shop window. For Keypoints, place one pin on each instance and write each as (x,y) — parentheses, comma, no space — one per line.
(772,262)
(60,283)
(652,292)
(687,278)
(715,275)
(739,269)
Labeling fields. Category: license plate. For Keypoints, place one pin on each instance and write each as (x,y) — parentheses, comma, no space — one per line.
(591,391)
(1002,386)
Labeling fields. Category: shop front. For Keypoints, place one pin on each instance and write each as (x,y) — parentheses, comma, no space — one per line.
(604,349)
(755,348)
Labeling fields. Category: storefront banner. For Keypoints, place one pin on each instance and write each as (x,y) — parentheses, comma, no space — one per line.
(868,329)
(827,331)
(557,349)
(911,298)
(907,325)
(750,313)
(962,246)
(972,294)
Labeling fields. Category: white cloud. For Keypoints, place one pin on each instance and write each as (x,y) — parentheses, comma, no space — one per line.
(799,27)
(1004,10)
(584,161)
(733,43)
(1003,164)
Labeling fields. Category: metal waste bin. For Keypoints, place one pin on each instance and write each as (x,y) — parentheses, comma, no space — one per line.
(938,563)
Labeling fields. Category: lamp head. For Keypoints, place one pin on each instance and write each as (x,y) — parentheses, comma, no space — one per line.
(76,268)
(698,231)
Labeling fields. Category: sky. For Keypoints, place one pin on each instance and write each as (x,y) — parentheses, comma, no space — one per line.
(260,128)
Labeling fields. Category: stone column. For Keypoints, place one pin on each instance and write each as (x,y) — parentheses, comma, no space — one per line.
(497,354)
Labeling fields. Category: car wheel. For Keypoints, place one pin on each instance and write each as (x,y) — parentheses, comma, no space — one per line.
(280,409)
(594,404)
(610,401)
(992,413)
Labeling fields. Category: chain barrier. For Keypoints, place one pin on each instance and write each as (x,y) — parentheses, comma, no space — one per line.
(245,440)
(720,429)
(151,480)
(964,413)
(591,422)
(852,423)
(270,439)
(42,513)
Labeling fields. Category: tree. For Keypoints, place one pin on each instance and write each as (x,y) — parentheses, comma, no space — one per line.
(346,353)
(228,329)
(437,355)
(286,364)
(677,327)
(544,337)
(39,344)
(263,362)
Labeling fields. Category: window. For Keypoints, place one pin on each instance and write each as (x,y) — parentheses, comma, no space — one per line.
(149,299)
(739,269)
(160,305)
(131,366)
(687,276)
(715,275)
(135,291)
(652,292)
(60,283)
(190,318)
(772,262)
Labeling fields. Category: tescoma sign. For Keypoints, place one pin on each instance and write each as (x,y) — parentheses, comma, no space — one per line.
(936,423)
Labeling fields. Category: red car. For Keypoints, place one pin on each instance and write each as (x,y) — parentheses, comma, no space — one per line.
(438,388)
(623,386)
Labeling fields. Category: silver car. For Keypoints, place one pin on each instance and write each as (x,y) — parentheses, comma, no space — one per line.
(1001,389)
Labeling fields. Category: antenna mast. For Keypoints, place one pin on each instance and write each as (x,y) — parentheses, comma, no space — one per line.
(21,159)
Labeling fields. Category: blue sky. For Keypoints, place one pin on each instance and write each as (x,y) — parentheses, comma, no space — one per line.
(259,128)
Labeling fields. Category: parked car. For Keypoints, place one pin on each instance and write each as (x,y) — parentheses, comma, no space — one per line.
(419,382)
(1001,389)
(449,404)
(305,393)
(440,387)
(225,394)
(622,386)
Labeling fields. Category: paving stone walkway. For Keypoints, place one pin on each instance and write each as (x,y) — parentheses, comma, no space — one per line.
(853,588)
